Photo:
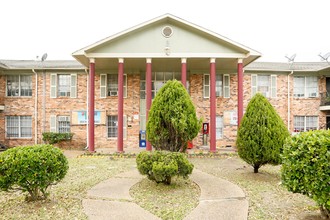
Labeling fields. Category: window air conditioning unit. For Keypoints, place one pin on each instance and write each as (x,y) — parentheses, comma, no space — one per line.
(113,93)
(63,118)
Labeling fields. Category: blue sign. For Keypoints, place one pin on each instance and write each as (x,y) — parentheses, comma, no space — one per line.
(83,115)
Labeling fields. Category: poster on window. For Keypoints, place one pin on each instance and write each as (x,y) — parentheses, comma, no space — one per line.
(230,117)
(81,117)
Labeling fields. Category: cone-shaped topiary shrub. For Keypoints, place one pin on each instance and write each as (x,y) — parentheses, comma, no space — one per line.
(306,167)
(261,135)
(32,169)
(161,166)
(172,119)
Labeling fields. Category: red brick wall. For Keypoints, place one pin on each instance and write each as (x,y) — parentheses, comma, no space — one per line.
(65,106)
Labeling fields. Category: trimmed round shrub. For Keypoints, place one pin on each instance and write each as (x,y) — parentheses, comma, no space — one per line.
(32,169)
(261,135)
(306,167)
(161,166)
(172,120)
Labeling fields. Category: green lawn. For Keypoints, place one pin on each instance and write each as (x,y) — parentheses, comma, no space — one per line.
(267,198)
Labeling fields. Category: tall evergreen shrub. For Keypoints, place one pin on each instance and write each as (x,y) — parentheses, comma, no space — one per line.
(261,135)
(172,119)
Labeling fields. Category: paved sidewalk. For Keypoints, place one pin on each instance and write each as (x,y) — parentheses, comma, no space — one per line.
(220,199)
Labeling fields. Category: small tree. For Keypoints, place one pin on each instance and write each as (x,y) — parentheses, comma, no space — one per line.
(172,118)
(32,169)
(261,135)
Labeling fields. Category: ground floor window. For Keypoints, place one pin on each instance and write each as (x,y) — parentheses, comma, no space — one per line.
(60,124)
(63,123)
(219,127)
(19,126)
(305,123)
(112,126)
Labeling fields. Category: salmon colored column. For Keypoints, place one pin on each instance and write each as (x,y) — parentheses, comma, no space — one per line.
(239,91)
(212,106)
(149,94)
(120,130)
(91,111)
(184,72)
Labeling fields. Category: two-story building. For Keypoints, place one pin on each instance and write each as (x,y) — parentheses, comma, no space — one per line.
(104,98)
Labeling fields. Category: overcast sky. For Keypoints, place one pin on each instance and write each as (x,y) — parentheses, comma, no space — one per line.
(275,28)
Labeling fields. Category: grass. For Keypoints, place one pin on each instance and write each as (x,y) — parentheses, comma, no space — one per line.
(268,199)
(167,201)
(65,201)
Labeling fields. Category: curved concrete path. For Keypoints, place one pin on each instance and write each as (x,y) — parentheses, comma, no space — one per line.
(220,199)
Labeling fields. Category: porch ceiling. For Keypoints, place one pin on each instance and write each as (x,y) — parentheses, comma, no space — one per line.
(133,65)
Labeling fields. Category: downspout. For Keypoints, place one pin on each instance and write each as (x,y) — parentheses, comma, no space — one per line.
(43,101)
(87,103)
(289,109)
(36,108)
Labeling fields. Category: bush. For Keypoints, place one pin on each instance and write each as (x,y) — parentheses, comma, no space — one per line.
(54,138)
(172,120)
(161,166)
(261,135)
(32,169)
(306,167)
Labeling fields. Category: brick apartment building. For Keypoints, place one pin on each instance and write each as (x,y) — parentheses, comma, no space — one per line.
(104,97)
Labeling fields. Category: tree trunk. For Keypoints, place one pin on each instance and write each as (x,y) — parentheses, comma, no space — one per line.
(256,168)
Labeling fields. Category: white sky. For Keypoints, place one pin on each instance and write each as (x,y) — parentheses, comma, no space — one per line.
(275,28)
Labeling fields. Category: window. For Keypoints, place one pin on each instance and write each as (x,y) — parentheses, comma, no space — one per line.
(222,85)
(112,126)
(19,126)
(264,84)
(158,80)
(19,85)
(305,86)
(109,85)
(60,124)
(305,123)
(63,85)
(219,127)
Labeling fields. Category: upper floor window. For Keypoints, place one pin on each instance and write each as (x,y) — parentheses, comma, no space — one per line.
(109,85)
(305,86)
(264,84)
(19,85)
(63,85)
(158,80)
(305,123)
(222,85)
(19,126)
(60,124)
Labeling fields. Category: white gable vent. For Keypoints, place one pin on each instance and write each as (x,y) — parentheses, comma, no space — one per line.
(167,31)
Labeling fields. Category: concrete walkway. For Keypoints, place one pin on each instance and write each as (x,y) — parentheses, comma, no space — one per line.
(219,199)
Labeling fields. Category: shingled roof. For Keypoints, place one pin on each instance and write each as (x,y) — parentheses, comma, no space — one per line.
(285,67)
(73,64)
(48,64)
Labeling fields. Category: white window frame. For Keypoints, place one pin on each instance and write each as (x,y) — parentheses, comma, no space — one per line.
(225,90)
(20,127)
(272,85)
(219,127)
(54,85)
(20,76)
(306,123)
(305,87)
(104,86)
(55,123)
(124,127)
